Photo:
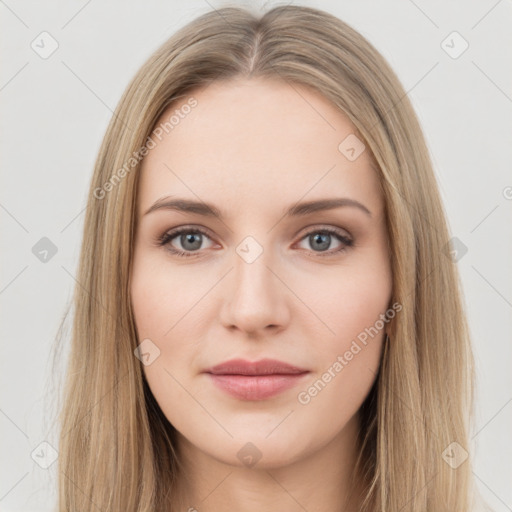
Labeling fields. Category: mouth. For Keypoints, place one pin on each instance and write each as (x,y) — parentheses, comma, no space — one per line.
(258,380)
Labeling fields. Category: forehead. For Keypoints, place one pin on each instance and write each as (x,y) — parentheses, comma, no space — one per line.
(253,139)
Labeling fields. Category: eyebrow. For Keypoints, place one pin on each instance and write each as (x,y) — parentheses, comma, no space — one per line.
(297,210)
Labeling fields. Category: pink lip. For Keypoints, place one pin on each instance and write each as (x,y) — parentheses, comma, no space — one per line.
(255,380)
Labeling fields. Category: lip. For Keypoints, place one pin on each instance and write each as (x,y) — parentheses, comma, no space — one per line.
(261,367)
(257,380)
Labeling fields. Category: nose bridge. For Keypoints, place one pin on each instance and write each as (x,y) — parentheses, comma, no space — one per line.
(256,300)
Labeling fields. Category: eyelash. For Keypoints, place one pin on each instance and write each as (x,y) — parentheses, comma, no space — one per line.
(166,238)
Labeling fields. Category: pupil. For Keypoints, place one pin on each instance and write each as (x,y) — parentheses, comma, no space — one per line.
(325,236)
(190,238)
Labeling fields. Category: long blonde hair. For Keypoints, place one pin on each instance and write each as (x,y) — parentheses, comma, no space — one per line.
(117,449)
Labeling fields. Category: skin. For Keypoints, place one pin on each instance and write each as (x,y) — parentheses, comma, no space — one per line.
(254,148)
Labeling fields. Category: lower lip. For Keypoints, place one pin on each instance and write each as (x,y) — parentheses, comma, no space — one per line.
(256,387)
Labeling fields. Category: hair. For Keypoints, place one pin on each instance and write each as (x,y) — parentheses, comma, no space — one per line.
(117,449)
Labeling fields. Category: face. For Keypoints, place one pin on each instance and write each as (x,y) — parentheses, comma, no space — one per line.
(308,287)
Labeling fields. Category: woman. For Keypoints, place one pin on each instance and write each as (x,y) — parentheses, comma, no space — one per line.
(268,316)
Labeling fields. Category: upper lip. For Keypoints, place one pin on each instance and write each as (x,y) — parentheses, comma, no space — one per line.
(261,367)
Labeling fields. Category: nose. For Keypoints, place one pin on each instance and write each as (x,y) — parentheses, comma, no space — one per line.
(256,298)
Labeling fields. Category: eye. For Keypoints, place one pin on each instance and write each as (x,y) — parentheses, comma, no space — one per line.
(191,240)
(321,239)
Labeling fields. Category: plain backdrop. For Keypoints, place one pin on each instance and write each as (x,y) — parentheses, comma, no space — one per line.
(55,109)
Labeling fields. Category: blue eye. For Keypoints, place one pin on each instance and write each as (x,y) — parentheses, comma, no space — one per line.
(191,240)
(322,238)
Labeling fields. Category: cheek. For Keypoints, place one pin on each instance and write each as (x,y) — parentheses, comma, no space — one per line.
(162,298)
(347,302)
(168,310)
(349,359)
(352,312)
(160,302)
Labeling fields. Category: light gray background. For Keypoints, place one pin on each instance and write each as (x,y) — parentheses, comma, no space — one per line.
(55,112)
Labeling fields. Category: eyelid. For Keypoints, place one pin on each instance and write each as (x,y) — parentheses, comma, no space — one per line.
(325,227)
(172,233)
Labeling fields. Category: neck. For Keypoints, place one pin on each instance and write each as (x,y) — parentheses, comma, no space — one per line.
(323,480)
